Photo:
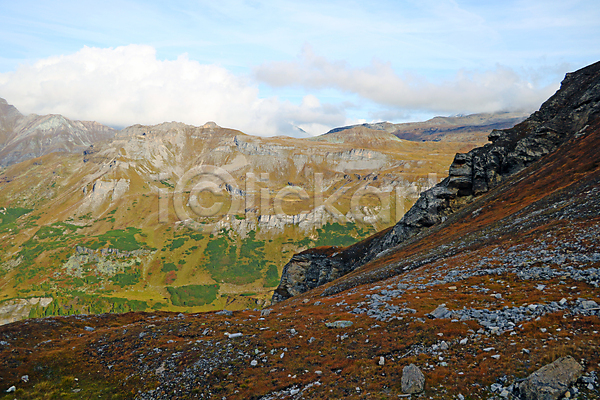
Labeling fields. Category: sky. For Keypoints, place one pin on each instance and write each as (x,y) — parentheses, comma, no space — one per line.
(296,68)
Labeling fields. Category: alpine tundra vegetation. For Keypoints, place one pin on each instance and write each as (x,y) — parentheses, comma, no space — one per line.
(487,287)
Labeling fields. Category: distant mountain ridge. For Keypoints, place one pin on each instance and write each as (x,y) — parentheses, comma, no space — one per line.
(26,137)
(131,186)
(460,128)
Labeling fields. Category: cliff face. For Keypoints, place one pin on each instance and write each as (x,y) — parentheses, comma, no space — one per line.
(568,113)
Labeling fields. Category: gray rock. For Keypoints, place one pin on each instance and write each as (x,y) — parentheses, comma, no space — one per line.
(413,380)
(338,324)
(551,381)
(562,301)
(440,312)
(496,387)
(587,304)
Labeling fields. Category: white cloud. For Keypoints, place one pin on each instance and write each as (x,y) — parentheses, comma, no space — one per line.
(129,85)
(469,91)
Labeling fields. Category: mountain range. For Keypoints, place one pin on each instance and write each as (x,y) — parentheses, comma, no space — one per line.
(487,287)
(101,220)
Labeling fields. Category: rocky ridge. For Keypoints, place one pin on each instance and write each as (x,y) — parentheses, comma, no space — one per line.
(567,114)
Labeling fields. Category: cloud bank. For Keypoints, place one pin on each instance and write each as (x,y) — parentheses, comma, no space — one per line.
(128,85)
(500,89)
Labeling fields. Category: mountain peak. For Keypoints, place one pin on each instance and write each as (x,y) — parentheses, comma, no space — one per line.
(210,125)
(26,137)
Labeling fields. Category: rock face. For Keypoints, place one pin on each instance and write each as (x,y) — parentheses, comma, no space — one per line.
(551,381)
(103,190)
(567,114)
(305,271)
(413,380)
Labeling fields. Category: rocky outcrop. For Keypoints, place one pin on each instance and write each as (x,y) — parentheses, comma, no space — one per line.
(18,309)
(103,190)
(104,262)
(413,380)
(565,115)
(315,267)
(305,271)
(552,381)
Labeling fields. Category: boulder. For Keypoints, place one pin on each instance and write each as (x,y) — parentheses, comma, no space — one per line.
(551,381)
(338,324)
(440,312)
(413,380)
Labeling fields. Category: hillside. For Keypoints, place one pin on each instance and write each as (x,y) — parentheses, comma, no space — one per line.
(566,114)
(118,225)
(496,297)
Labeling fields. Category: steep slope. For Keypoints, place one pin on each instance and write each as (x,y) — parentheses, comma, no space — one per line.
(507,285)
(473,128)
(572,110)
(26,137)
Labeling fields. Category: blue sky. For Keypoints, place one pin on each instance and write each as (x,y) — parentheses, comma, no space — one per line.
(269,67)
